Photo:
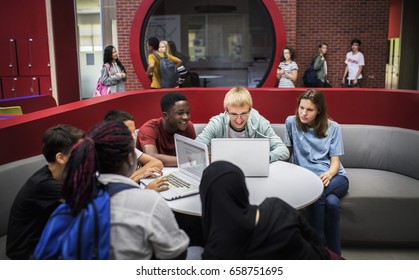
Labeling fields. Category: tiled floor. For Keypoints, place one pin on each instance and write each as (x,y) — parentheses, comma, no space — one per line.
(361,253)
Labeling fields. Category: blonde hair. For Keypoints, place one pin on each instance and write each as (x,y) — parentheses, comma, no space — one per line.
(166,44)
(237,97)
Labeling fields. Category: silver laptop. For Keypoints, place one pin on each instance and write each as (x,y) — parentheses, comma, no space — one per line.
(192,159)
(251,155)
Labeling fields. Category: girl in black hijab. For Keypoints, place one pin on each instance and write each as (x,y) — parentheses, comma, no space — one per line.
(234,229)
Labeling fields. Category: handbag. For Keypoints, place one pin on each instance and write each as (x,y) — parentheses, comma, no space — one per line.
(102,89)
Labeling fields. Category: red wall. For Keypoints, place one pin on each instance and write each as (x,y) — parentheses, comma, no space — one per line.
(20,137)
(395,18)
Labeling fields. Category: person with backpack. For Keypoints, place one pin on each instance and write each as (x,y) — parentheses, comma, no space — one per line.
(320,65)
(113,72)
(162,67)
(41,194)
(142,226)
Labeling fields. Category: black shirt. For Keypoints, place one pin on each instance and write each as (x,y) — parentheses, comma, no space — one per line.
(30,211)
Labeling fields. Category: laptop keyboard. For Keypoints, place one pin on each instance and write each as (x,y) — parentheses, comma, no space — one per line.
(179,184)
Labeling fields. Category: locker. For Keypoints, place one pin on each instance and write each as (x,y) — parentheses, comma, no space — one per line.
(8,61)
(45,86)
(33,56)
(19,86)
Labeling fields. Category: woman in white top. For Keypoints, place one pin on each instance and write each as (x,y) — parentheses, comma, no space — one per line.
(287,71)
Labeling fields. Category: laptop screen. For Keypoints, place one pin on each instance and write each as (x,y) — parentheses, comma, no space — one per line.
(192,156)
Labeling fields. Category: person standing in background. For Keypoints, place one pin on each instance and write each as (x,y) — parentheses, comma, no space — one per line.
(354,65)
(287,71)
(113,72)
(164,47)
(153,69)
(320,65)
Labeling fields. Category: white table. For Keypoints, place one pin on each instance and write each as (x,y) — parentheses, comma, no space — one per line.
(297,186)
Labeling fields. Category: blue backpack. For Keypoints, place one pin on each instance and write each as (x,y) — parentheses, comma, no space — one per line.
(310,77)
(168,71)
(81,237)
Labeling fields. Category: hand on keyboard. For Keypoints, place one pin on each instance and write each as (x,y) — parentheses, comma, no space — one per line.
(160,184)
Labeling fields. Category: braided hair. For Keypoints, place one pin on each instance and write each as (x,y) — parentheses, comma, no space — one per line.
(104,150)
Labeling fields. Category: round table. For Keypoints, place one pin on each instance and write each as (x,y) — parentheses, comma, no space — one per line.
(295,185)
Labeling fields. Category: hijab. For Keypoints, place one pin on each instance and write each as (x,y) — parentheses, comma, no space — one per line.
(227,216)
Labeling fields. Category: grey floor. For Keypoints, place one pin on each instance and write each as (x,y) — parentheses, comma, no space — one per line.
(362,253)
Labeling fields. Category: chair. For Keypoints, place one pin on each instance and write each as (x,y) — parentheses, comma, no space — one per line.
(11,110)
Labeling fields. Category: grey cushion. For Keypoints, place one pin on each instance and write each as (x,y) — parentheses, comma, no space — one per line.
(380,207)
(12,177)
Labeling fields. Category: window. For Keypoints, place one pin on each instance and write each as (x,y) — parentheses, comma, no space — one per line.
(226,44)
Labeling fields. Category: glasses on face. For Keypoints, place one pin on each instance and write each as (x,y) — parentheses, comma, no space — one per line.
(236,116)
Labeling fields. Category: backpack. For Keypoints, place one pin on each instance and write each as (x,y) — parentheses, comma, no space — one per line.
(101,89)
(168,71)
(81,237)
(310,77)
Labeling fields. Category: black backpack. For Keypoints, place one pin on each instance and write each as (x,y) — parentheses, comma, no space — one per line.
(310,76)
(168,72)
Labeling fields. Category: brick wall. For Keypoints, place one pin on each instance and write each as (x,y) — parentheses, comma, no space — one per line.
(307,23)
(125,12)
(288,10)
(337,23)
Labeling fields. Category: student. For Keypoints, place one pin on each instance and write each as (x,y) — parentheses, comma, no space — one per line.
(113,72)
(153,69)
(164,47)
(234,229)
(41,193)
(320,65)
(354,64)
(287,71)
(240,120)
(148,165)
(315,143)
(142,224)
(156,136)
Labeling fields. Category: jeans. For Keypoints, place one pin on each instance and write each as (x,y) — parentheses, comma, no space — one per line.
(324,214)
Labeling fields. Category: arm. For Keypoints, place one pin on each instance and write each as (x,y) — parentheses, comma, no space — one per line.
(318,62)
(166,159)
(213,129)
(357,74)
(333,170)
(344,74)
(150,167)
(278,150)
(292,76)
(151,61)
(107,79)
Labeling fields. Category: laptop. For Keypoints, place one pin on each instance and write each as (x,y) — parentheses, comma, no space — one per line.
(192,159)
(251,155)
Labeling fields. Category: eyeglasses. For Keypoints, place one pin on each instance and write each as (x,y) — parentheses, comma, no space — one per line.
(236,116)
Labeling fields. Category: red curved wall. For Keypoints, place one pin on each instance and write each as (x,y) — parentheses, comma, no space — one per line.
(20,137)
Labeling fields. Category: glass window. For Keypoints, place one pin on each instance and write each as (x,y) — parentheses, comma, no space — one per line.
(227,43)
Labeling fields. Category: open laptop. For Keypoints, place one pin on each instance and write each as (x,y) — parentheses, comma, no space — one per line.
(251,155)
(192,159)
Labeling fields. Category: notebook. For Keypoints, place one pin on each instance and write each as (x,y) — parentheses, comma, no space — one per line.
(251,155)
(192,159)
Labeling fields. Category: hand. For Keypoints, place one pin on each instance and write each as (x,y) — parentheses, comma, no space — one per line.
(326,177)
(153,172)
(343,81)
(355,81)
(158,185)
